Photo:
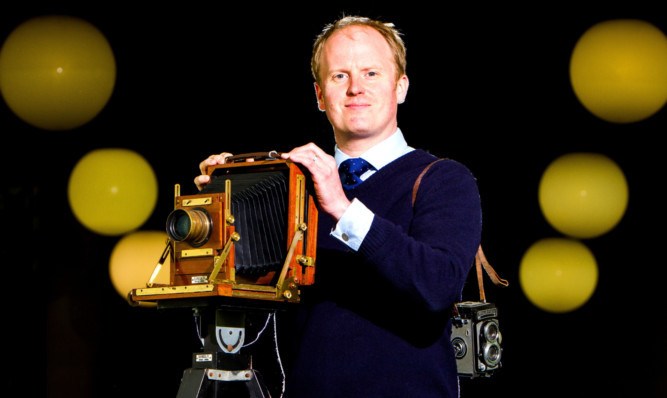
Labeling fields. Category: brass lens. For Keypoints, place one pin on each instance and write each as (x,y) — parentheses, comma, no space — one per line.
(191,226)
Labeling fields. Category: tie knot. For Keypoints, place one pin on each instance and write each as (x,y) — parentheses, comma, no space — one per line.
(351,171)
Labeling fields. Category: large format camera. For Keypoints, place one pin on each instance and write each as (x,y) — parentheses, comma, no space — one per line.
(250,234)
(476,339)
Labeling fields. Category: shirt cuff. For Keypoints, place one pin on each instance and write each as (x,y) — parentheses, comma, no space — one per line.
(353,226)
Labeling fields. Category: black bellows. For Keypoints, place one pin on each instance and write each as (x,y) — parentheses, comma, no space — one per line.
(259,206)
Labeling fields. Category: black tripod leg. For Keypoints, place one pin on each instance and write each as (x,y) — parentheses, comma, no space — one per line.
(256,387)
(192,383)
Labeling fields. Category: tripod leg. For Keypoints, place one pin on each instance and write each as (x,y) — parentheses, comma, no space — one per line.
(256,387)
(192,383)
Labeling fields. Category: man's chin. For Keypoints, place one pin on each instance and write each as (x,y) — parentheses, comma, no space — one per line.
(363,133)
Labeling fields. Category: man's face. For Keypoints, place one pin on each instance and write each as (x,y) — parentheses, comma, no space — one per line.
(359,90)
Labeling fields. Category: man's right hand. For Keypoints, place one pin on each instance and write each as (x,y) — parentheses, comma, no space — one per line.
(202,180)
(324,172)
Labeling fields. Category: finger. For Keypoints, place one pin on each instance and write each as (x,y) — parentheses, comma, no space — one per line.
(213,160)
(307,154)
(201,181)
(322,166)
(209,161)
(224,156)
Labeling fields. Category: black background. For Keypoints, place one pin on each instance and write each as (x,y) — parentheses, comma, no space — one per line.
(489,87)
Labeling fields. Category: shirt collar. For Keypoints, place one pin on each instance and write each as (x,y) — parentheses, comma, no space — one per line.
(382,153)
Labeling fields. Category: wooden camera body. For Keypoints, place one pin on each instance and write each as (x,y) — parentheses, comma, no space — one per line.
(251,233)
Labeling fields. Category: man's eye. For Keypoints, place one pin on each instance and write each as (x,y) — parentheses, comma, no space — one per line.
(372,74)
(339,76)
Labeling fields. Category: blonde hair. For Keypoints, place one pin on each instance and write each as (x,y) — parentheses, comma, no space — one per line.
(386,29)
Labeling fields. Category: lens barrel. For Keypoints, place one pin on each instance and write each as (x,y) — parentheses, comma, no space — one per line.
(192,226)
(491,347)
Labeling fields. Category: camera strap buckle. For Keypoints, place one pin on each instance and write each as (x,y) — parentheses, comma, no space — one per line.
(481,262)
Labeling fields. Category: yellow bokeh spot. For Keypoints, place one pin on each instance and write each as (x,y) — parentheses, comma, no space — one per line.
(56,72)
(133,261)
(618,70)
(558,275)
(583,195)
(112,191)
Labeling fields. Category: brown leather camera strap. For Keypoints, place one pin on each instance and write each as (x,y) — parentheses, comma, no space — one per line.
(480,258)
(481,262)
(415,188)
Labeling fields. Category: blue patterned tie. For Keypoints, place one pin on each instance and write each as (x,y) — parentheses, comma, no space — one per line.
(351,170)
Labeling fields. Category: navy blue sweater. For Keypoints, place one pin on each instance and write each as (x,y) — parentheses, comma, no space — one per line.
(376,323)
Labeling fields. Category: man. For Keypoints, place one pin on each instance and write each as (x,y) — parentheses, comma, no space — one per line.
(376,323)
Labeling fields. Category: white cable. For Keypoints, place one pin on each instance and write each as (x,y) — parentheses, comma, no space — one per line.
(198,329)
(268,317)
(275,339)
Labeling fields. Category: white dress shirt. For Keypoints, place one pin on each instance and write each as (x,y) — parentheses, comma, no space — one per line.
(357,219)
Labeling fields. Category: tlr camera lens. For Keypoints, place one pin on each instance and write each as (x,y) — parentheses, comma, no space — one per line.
(491,347)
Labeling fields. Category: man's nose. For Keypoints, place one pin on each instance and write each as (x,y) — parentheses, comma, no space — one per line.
(355,86)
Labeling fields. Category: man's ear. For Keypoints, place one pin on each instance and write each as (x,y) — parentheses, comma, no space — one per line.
(402,89)
(319,96)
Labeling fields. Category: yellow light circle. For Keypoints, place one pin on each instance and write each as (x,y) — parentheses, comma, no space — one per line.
(618,70)
(112,191)
(583,195)
(133,261)
(56,72)
(558,274)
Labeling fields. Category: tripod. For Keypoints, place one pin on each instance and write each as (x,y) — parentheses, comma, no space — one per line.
(221,370)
